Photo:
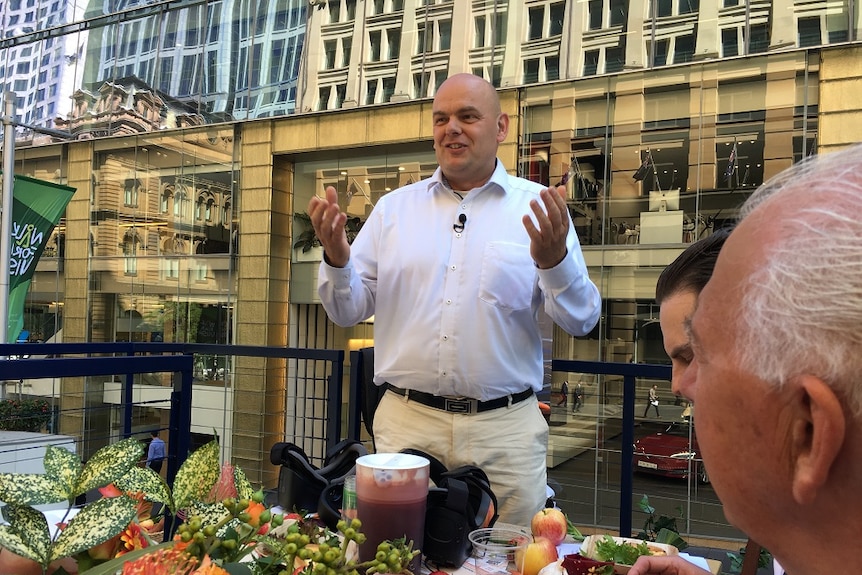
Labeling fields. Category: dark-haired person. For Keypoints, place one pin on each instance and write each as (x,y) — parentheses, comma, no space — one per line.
(457,269)
(155,452)
(776,383)
(676,294)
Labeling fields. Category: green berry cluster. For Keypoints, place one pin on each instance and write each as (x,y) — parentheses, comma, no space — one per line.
(326,554)
(232,537)
(392,557)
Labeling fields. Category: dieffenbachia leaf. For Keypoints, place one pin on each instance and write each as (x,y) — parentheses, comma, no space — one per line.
(145,480)
(197,475)
(209,513)
(96,523)
(244,490)
(109,464)
(63,468)
(29,489)
(27,534)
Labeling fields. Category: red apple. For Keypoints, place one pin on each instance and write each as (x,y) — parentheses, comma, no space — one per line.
(550,523)
(531,559)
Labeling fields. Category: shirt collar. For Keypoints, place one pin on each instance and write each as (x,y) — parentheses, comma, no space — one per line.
(498,180)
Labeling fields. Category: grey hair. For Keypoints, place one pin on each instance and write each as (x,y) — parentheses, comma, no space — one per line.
(802,309)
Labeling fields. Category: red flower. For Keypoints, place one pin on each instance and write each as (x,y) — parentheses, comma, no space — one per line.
(110,490)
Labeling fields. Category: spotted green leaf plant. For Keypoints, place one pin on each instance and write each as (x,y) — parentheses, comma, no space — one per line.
(65,479)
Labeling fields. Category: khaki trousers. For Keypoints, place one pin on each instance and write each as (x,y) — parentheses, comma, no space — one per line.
(509,444)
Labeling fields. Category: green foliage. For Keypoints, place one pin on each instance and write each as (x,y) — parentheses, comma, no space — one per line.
(736,559)
(147,482)
(27,534)
(108,464)
(66,478)
(224,531)
(24,414)
(96,523)
(621,553)
(573,531)
(307,239)
(661,528)
(197,476)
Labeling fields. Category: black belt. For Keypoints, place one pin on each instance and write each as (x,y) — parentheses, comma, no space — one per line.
(460,405)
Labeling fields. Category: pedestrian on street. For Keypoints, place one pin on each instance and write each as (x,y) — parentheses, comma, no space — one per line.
(653,401)
(564,394)
(579,398)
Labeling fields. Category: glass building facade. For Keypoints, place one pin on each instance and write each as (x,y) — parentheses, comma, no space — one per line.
(198,131)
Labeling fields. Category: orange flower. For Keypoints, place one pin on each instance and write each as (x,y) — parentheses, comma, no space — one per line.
(165,561)
(179,543)
(132,538)
(254,510)
(209,568)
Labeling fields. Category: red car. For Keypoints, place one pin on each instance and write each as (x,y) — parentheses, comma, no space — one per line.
(672,453)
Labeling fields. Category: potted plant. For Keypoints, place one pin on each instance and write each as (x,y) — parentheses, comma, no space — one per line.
(24,414)
(307,245)
(225,528)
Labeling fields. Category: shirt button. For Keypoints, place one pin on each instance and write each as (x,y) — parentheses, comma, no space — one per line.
(453,267)
(463,206)
(457,235)
(448,302)
(445,338)
(443,373)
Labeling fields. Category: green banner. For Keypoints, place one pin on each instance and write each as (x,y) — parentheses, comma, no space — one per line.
(37,206)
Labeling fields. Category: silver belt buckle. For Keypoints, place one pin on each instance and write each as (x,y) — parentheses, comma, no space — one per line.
(463,405)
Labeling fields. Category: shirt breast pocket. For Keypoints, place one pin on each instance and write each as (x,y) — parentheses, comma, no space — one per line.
(508,276)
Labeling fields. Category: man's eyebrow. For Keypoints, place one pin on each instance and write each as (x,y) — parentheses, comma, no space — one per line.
(689,331)
(458,112)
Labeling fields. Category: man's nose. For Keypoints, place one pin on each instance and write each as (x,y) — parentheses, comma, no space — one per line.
(453,126)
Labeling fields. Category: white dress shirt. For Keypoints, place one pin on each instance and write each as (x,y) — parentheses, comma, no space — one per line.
(455,312)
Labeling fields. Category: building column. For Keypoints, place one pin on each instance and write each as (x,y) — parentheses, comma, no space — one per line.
(265,209)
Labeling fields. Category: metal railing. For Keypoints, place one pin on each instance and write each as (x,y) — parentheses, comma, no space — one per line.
(321,371)
(338,416)
(630,372)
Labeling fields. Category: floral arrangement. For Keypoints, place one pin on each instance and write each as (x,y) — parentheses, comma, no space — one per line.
(226,528)
(24,414)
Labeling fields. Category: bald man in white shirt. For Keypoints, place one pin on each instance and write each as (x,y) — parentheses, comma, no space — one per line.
(456,269)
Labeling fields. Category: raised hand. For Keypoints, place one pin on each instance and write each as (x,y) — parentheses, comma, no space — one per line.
(328,221)
(548,241)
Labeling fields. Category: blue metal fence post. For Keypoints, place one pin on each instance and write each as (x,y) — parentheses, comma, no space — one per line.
(627,454)
(180,421)
(128,400)
(180,428)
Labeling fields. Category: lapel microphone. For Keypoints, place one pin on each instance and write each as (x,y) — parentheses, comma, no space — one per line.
(459,226)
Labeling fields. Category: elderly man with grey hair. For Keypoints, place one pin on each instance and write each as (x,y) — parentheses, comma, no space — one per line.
(777,352)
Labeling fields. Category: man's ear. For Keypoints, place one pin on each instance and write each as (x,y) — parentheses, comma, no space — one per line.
(502,127)
(817,436)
